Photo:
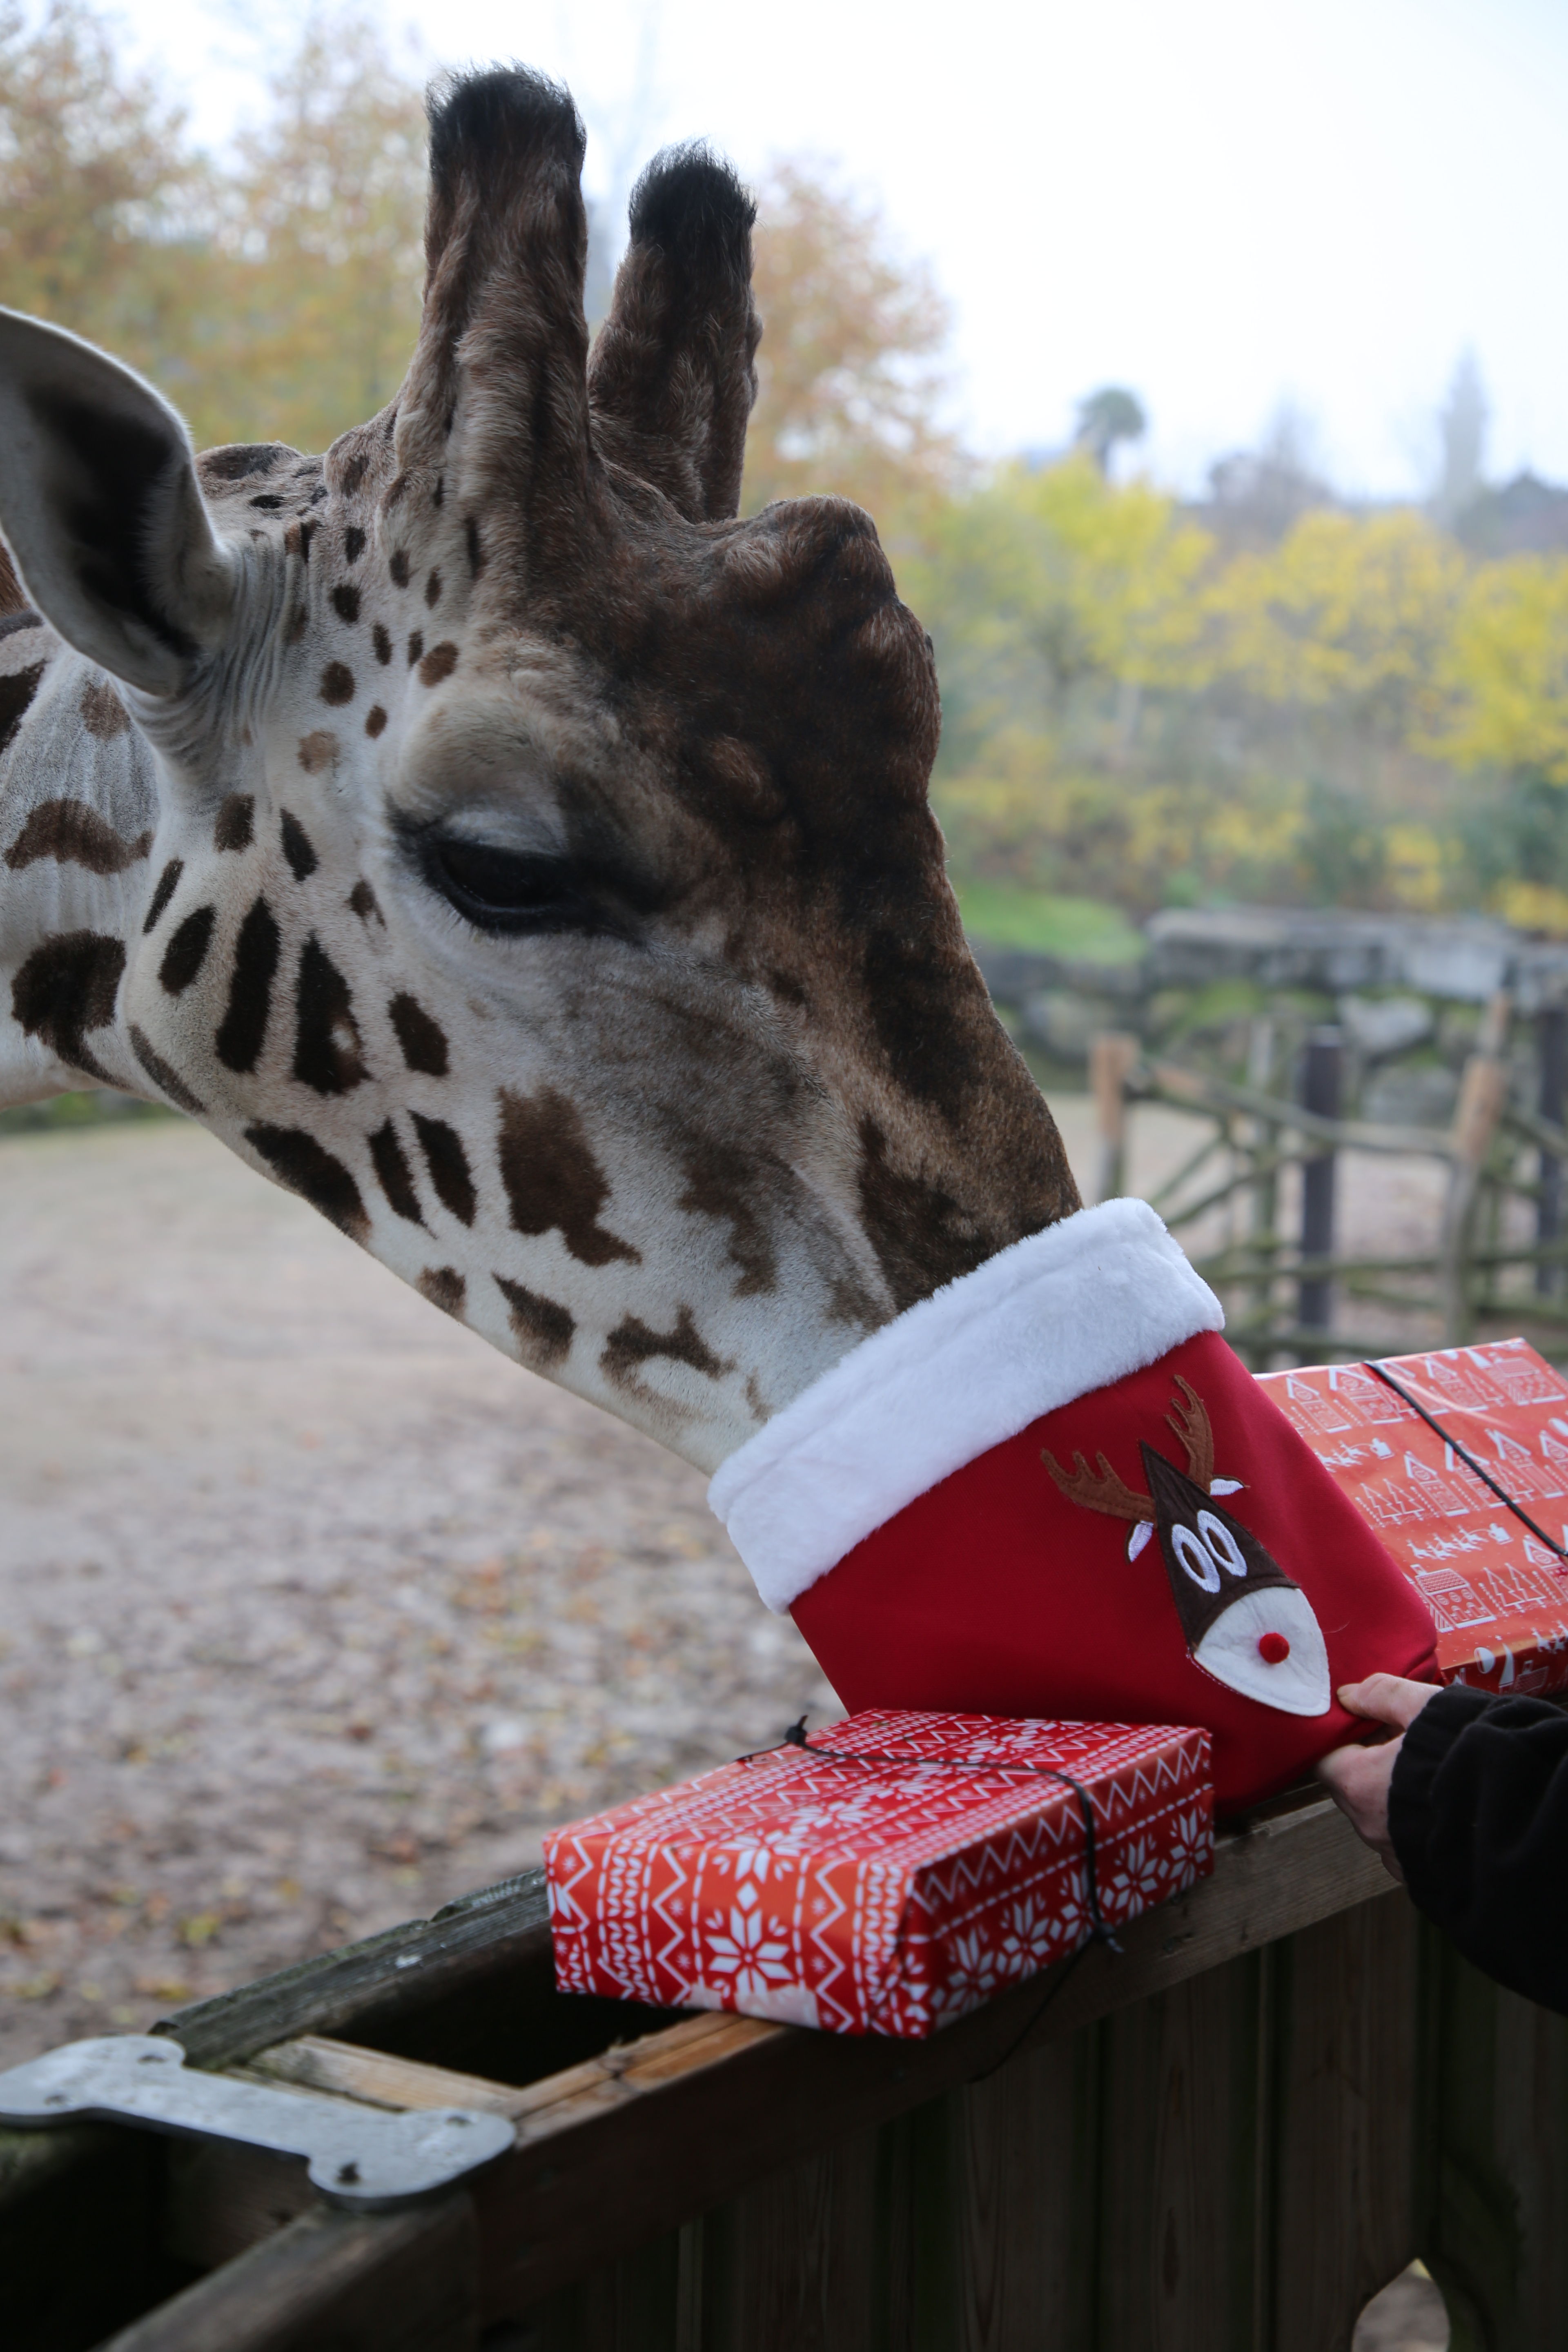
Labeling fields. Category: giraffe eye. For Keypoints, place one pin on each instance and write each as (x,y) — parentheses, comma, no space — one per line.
(507,889)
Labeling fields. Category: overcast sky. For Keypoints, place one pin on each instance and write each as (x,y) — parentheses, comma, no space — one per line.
(1227,204)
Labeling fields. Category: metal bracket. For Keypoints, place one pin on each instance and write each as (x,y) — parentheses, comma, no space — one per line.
(363,2158)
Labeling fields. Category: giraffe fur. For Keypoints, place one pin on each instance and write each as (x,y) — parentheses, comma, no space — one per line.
(487,834)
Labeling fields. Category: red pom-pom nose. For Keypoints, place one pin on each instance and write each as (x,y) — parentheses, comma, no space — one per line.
(1273,1649)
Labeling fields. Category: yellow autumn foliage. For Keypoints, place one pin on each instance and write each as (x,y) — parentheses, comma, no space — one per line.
(1347,609)
(1506,668)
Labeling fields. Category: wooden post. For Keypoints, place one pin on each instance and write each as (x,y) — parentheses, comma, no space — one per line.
(1483,1092)
(1320,1094)
(1112,1058)
(1552,1041)
(1261,1046)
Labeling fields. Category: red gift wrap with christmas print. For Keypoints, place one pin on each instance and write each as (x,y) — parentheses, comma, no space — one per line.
(1474,1508)
(891,1873)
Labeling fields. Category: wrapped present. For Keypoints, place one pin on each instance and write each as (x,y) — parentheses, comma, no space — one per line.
(1459,1461)
(886,1876)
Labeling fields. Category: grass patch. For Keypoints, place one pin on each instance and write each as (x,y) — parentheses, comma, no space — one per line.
(62,1114)
(1088,929)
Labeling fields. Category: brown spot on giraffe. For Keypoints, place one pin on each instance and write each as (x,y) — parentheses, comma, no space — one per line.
(345,601)
(552,1179)
(922,1235)
(433,587)
(543,1327)
(445,1287)
(17,693)
(632,1344)
(415,646)
(168,883)
(398,567)
(318,751)
(353,543)
(305,1166)
(382,643)
(362,902)
(374,721)
(187,950)
(235,826)
(337,683)
(448,1164)
(393,1174)
(72,834)
(328,1052)
(64,989)
(102,713)
(297,847)
(422,1040)
(721,1181)
(438,663)
(243,1030)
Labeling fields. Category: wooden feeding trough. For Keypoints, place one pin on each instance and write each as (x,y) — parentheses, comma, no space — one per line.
(1231,2134)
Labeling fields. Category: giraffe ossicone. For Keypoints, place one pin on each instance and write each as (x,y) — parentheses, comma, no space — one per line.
(487,834)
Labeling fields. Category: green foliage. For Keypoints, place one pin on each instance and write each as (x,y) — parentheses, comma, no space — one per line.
(1087,928)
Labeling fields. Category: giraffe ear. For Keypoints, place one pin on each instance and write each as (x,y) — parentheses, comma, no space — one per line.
(673,377)
(100,504)
(497,397)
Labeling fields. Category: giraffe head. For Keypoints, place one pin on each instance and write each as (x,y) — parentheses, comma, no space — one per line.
(540,876)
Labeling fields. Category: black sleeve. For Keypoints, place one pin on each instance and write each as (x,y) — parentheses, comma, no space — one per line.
(1478,1811)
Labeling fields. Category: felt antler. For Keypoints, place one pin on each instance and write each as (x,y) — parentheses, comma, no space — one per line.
(1105,1493)
(1192,1426)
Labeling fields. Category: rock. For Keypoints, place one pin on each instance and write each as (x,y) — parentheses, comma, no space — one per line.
(1378,1026)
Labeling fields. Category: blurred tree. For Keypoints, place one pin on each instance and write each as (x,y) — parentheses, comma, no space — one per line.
(1106,417)
(848,388)
(1507,670)
(322,235)
(1045,580)
(1348,611)
(102,204)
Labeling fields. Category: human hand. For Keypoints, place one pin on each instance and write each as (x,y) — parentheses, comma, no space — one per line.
(1358,1777)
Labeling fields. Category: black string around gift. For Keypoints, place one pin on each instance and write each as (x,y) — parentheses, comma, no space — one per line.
(1381,1371)
(1099,1933)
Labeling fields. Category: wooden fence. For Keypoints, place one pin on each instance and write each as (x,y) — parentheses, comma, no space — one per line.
(1283,1289)
(1256,1025)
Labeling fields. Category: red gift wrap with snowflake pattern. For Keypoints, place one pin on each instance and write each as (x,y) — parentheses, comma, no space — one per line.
(1490,1566)
(888,1876)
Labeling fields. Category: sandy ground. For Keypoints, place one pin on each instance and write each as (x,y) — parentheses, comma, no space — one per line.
(314,1611)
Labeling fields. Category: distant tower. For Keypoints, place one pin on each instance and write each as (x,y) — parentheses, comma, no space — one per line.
(1462,434)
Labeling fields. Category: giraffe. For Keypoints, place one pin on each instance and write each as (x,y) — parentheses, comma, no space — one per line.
(487,835)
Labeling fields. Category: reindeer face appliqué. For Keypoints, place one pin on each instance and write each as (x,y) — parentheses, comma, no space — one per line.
(1247,1624)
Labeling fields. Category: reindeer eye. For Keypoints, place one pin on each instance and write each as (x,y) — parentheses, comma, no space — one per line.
(508,889)
(1221,1543)
(1196,1558)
